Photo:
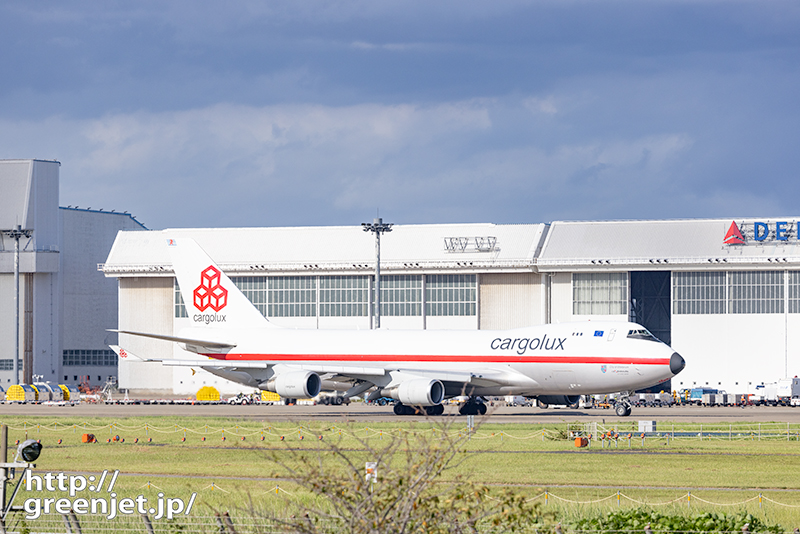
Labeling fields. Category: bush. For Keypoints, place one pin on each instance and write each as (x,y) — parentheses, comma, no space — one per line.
(637,519)
(410,495)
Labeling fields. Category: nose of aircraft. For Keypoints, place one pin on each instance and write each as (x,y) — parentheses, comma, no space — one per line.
(676,363)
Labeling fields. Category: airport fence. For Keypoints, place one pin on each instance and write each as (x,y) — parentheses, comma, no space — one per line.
(225,523)
(687,498)
(611,435)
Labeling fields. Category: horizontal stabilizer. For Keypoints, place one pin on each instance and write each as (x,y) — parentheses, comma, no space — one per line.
(126,354)
(212,346)
(210,362)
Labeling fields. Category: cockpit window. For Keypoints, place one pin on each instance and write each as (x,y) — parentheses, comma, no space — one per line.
(641,334)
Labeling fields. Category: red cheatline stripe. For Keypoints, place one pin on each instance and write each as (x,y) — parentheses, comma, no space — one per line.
(358,358)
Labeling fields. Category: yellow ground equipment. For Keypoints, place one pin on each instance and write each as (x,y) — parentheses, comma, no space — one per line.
(207,393)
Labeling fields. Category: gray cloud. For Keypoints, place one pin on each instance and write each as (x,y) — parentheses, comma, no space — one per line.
(279,113)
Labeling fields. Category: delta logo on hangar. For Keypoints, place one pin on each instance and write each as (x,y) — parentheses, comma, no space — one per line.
(741,234)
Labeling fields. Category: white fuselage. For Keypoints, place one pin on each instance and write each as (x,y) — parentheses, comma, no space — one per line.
(565,359)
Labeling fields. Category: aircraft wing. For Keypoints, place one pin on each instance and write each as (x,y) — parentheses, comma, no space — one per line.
(350,371)
(478,378)
(481,377)
(205,345)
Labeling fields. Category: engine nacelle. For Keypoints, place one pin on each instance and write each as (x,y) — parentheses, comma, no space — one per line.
(294,384)
(417,392)
(558,400)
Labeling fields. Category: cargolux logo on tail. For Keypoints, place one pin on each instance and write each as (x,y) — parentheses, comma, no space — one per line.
(734,235)
(210,293)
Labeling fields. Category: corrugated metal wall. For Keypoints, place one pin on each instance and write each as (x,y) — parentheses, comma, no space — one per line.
(561,298)
(510,300)
(146,305)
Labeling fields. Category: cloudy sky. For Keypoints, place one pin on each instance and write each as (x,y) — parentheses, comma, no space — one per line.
(284,113)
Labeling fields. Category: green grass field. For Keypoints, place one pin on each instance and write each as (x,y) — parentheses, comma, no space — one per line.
(739,468)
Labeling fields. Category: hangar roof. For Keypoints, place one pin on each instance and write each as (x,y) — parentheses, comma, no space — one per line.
(430,247)
(689,244)
(681,244)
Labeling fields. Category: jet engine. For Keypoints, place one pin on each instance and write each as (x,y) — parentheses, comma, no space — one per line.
(294,384)
(557,400)
(417,392)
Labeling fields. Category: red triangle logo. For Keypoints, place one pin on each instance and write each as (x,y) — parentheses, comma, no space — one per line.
(734,235)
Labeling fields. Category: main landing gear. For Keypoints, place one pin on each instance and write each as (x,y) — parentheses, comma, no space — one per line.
(473,407)
(402,409)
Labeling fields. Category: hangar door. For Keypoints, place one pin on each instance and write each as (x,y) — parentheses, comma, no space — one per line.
(650,302)
(650,307)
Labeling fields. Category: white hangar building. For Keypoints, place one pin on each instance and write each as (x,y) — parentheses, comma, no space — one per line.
(65,305)
(725,294)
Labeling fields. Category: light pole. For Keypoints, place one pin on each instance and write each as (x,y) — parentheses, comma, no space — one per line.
(16,234)
(378,227)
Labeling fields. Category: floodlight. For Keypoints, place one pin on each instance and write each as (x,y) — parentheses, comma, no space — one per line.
(377,227)
(29,450)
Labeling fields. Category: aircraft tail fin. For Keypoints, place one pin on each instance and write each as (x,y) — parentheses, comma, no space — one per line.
(211,299)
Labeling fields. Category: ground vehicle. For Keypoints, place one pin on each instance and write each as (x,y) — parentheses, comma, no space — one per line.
(765,394)
(696,394)
(516,400)
(788,389)
(240,399)
(652,399)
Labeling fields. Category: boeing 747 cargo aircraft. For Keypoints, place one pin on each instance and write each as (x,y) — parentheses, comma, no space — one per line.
(418,368)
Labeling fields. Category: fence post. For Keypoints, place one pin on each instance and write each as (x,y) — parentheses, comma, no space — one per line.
(689,500)
(618,501)
(74,519)
(228,523)
(759,500)
(147,524)
(546,497)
